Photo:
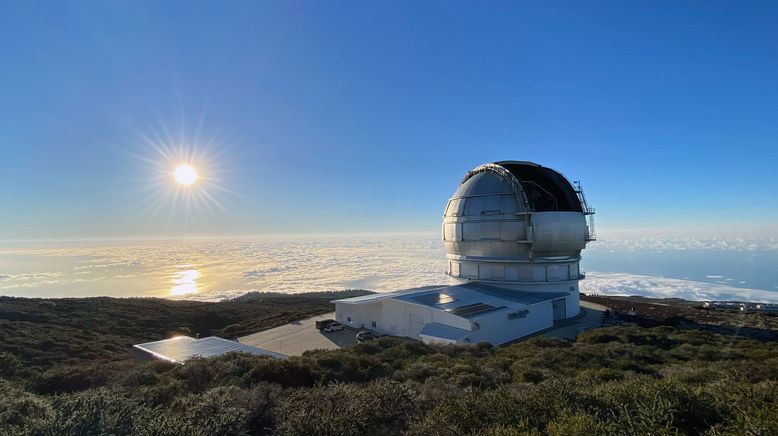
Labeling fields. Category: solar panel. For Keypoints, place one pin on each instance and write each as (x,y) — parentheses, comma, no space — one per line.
(181,348)
(472,309)
(444,298)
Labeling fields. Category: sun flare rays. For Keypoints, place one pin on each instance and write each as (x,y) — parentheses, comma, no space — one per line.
(185,178)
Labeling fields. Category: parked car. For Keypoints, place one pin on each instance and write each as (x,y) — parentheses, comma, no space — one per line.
(366,335)
(334,327)
(324,323)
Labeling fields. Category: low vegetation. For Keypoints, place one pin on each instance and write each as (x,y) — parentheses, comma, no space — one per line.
(75,331)
(688,314)
(617,380)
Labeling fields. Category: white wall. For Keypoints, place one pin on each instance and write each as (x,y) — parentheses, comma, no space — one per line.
(395,317)
(399,318)
(498,329)
(360,314)
(573,303)
(406,319)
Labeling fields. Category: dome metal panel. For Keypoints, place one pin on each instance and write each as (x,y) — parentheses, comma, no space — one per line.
(514,222)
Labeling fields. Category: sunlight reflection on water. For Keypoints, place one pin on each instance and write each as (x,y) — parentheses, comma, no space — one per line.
(217,269)
(185,282)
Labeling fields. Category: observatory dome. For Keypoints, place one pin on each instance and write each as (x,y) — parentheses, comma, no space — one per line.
(517,225)
(513,233)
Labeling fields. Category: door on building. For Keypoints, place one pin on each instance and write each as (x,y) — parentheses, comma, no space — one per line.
(560,309)
(415,324)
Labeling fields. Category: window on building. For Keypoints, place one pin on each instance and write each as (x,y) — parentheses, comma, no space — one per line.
(348,318)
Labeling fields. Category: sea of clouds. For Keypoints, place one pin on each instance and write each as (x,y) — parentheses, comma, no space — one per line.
(663,287)
(218,269)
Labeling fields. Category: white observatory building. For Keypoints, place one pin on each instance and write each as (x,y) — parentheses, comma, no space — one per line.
(513,233)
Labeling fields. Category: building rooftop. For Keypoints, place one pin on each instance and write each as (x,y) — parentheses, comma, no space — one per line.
(467,300)
(182,348)
(382,295)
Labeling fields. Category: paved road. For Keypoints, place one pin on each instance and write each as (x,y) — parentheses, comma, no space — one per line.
(299,336)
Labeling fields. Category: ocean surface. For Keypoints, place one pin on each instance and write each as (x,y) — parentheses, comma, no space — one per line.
(695,269)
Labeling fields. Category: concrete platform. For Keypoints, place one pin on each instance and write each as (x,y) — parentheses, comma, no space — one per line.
(299,336)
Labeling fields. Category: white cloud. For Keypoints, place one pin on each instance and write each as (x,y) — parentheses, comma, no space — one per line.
(684,243)
(660,287)
(231,268)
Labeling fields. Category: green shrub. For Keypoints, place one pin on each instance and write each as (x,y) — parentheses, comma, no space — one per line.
(380,407)
(95,412)
(618,380)
(20,409)
(72,378)
(579,424)
(516,430)
(643,405)
(9,365)
(527,407)
(531,375)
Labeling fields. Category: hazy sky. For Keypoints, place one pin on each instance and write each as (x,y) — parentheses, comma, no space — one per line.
(363,116)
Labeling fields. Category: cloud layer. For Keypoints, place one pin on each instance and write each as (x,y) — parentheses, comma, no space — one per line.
(675,244)
(660,287)
(222,269)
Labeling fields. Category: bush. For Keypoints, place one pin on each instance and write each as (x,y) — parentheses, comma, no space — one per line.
(72,378)
(618,380)
(580,424)
(9,365)
(20,409)
(643,405)
(381,407)
(526,407)
(95,412)
(219,411)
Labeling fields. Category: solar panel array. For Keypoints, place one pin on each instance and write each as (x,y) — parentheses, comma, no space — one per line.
(472,309)
(181,348)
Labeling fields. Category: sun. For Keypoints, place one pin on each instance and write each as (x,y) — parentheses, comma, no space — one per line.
(185,175)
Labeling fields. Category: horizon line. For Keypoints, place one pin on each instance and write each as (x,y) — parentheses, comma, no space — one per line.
(191,237)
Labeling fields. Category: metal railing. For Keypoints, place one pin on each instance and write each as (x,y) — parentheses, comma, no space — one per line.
(588,211)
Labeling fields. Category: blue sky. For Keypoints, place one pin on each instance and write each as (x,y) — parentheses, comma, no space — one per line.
(363,116)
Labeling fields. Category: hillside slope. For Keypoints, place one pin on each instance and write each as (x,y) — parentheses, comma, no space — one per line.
(629,379)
